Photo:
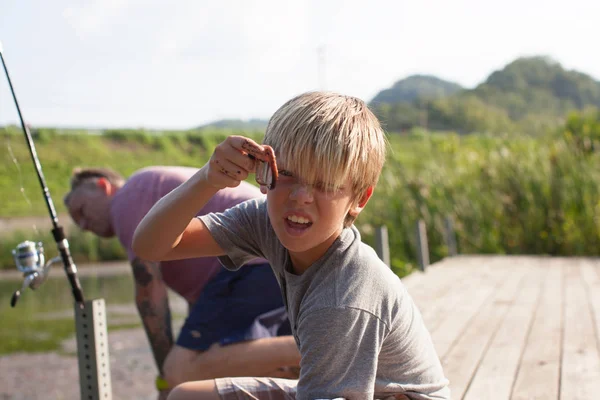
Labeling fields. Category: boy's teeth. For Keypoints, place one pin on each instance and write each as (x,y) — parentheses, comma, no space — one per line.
(300,220)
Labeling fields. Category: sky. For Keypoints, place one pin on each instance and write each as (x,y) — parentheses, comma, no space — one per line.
(179,64)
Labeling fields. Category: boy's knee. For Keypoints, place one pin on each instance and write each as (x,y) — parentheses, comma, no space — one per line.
(182,392)
(203,390)
(184,365)
(176,368)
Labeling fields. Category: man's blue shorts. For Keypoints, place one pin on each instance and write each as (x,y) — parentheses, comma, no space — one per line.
(236,306)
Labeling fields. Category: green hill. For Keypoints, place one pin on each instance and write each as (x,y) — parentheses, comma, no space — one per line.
(416,87)
(540,86)
(237,124)
(530,94)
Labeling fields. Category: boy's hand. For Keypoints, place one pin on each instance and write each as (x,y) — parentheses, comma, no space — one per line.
(230,164)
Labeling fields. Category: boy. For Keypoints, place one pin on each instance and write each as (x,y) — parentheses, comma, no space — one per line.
(359,333)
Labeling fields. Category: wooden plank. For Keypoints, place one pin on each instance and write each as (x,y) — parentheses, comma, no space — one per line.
(425,287)
(496,373)
(419,279)
(450,281)
(462,306)
(590,273)
(580,371)
(449,330)
(463,358)
(539,371)
(436,277)
(443,306)
(460,265)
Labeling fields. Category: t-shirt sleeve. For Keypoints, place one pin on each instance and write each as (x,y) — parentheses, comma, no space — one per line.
(339,349)
(127,214)
(239,232)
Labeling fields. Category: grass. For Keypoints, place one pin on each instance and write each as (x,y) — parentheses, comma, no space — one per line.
(33,336)
(58,154)
(44,318)
(507,194)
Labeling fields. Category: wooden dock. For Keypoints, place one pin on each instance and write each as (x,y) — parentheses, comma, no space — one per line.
(514,327)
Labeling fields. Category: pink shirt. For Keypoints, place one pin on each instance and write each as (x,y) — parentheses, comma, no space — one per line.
(141,191)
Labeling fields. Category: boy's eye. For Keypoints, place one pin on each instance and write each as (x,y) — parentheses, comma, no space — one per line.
(284,172)
(324,187)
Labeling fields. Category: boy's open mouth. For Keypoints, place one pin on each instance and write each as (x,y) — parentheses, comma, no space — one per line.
(297,222)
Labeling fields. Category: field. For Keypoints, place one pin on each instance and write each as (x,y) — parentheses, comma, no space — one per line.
(506,194)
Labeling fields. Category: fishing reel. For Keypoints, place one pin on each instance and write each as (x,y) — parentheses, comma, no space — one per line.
(29,259)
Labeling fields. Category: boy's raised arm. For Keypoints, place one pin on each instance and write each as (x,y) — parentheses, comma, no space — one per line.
(161,231)
(170,229)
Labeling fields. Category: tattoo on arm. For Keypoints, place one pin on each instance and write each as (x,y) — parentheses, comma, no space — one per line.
(160,334)
(153,306)
(146,309)
(143,271)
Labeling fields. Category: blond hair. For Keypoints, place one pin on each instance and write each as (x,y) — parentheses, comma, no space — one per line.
(329,137)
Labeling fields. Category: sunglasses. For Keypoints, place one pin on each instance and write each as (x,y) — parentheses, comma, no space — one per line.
(266,171)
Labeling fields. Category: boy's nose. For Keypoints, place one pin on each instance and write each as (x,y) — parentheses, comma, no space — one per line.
(302,192)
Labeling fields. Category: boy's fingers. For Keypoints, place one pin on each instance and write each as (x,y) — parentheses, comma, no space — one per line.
(230,169)
(230,151)
(249,147)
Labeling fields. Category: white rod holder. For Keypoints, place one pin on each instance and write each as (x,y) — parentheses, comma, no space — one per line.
(92,350)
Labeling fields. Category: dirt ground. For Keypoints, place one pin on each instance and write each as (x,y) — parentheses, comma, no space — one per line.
(54,376)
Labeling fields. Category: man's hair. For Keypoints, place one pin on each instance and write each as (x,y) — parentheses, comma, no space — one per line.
(329,137)
(81,176)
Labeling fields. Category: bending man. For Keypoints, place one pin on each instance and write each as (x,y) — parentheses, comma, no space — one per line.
(237,325)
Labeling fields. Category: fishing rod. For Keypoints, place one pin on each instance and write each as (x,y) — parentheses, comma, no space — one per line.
(90,316)
(25,253)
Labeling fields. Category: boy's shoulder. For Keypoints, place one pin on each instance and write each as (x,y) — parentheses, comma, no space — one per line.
(356,260)
(353,276)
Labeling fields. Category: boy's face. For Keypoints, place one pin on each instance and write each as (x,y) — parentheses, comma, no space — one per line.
(307,218)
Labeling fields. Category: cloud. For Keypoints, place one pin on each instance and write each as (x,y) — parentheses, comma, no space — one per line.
(230,30)
(96,17)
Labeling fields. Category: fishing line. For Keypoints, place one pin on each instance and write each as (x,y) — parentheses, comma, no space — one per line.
(26,250)
(22,186)
(7,140)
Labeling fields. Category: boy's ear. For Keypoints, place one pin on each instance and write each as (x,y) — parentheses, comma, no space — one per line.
(104,185)
(362,202)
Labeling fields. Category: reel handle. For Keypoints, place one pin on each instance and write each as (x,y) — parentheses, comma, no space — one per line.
(29,281)
(15,298)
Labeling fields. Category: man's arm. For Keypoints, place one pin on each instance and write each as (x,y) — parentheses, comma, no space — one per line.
(152,302)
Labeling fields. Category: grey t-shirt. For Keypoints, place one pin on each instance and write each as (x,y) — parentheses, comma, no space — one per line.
(359,332)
